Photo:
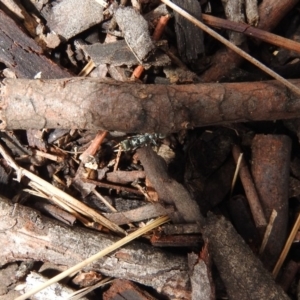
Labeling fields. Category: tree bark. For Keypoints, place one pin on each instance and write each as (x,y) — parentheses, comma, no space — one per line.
(22,55)
(25,234)
(88,103)
(271,155)
(242,273)
(224,61)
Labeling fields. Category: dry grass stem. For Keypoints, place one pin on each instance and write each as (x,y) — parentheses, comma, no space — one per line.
(231,46)
(236,172)
(49,189)
(106,251)
(79,294)
(268,231)
(287,247)
(253,32)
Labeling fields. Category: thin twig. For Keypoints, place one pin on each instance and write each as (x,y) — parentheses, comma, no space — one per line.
(56,192)
(236,172)
(250,190)
(287,247)
(253,32)
(94,146)
(106,251)
(104,201)
(231,46)
(268,231)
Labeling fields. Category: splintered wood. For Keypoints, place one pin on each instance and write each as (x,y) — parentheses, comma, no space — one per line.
(164,135)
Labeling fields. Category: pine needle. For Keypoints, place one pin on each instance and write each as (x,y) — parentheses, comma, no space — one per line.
(231,46)
(159,221)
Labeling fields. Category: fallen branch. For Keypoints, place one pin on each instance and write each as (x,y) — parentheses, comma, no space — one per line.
(88,103)
(242,273)
(169,190)
(270,14)
(271,174)
(43,239)
(232,47)
(253,32)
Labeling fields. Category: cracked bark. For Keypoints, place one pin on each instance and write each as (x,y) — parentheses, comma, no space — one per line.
(88,103)
(242,273)
(43,239)
(224,61)
(22,55)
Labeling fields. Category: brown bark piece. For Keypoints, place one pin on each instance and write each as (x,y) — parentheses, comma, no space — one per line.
(136,32)
(242,273)
(126,290)
(22,55)
(129,107)
(84,279)
(290,46)
(270,170)
(168,189)
(124,177)
(241,217)
(139,214)
(119,54)
(288,276)
(70,17)
(35,139)
(189,37)
(250,191)
(270,14)
(44,239)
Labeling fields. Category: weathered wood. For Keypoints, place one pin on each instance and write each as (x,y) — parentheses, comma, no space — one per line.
(22,55)
(242,273)
(136,31)
(89,103)
(271,156)
(142,213)
(234,12)
(43,239)
(70,17)
(189,37)
(224,61)
(126,290)
(168,189)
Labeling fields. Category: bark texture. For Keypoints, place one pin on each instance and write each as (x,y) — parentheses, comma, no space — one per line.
(243,274)
(168,189)
(224,61)
(88,103)
(271,156)
(25,234)
(22,55)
